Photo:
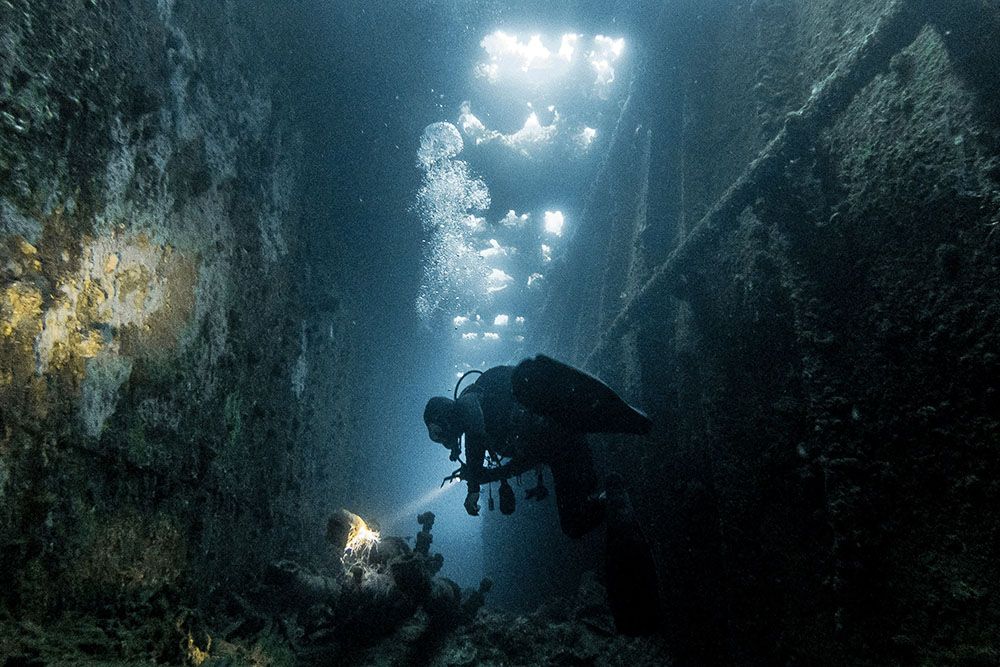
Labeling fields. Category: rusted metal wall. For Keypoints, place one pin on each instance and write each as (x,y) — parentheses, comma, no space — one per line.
(799,215)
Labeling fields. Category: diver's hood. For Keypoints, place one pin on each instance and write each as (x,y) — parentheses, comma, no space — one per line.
(441,411)
(438,409)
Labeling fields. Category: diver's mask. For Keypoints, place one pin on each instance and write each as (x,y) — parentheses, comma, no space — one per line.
(451,443)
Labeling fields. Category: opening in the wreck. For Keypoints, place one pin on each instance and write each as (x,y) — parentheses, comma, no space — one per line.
(502,178)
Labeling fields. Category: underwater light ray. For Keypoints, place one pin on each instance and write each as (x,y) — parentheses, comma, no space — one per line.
(414,507)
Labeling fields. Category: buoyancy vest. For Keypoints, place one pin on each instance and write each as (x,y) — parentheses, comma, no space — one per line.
(496,399)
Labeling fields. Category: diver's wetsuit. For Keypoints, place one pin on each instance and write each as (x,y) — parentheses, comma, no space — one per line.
(495,422)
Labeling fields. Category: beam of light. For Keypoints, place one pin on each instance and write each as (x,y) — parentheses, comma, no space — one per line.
(534,51)
(530,135)
(410,510)
(605,72)
(567,47)
(498,280)
(554,221)
(503,47)
(510,57)
(533,132)
(495,250)
(606,52)
(512,219)
(586,137)
(614,47)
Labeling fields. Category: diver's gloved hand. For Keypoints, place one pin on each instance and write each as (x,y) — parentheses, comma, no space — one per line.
(472,503)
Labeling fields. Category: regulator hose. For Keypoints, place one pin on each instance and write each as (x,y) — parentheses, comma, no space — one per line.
(462,379)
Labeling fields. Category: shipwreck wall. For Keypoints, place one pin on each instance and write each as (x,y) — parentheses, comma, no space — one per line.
(798,215)
(172,374)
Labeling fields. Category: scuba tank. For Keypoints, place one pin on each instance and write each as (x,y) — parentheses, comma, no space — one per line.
(574,398)
(456,450)
(506,493)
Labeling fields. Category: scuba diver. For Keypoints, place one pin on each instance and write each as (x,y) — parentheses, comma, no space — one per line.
(533,414)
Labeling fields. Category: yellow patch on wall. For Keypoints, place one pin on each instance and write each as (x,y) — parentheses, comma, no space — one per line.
(21,304)
(113,298)
(122,284)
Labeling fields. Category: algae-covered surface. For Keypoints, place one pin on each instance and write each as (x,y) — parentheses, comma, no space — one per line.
(147,190)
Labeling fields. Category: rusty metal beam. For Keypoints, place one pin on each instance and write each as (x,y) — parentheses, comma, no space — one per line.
(897,28)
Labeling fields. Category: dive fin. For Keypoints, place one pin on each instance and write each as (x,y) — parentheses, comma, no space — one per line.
(574,398)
